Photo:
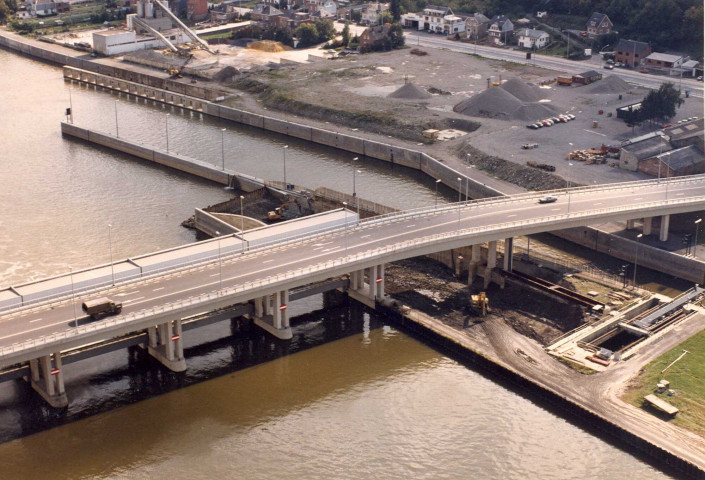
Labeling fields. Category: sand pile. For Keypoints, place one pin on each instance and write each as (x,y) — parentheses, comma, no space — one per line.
(534,111)
(609,84)
(525,92)
(409,91)
(268,46)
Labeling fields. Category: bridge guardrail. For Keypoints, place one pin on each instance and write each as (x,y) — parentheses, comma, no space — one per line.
(271,280)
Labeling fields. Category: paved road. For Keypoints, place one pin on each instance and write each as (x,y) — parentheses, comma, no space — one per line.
(554,63)
(164,290)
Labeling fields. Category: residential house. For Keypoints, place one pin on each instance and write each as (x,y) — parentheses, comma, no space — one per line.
(587,78)
(598,24)
(373,37)
(63,7)
(664,61)
(533,39)
(433,18)
(42,8)
(328,8)
(631,52)
(371,14)
(196,10)
(476,26)
(266,14)
(500,28)
(692,68)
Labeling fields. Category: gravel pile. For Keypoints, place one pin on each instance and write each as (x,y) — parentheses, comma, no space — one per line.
(226,74)
(409,91)
(525,92)
(493,103)
(609,84)
(501,103)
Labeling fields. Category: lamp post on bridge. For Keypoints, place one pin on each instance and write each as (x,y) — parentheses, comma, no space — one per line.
(110,243)
(697,227)
(345,213)
(166,129)
(285,148)
(355,171)
(73,298)
(636,257)
(242,223)
(117,128)
(460,194)
(222,146)
(436,203)
(220,263)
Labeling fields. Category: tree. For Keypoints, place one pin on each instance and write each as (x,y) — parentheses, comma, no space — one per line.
(396,36)
(325,29)
(283,5)
(346,34)
(385,17)
(307,34)
(395,9)
(661,104)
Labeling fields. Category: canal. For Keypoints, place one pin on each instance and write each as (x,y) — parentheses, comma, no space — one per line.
(366,402)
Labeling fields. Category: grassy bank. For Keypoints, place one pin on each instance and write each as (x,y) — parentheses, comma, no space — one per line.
(687,378)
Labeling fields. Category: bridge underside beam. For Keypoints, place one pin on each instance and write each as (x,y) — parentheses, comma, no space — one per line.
(47,379)
(166,345)
(271,314)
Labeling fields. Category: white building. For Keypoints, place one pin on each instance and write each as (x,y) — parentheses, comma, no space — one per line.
(371,14)
(118,41)
(532,39)
(42,8)
(434,19)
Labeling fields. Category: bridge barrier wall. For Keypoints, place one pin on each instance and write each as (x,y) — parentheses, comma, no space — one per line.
(209,224)
(625,249)
(449,177)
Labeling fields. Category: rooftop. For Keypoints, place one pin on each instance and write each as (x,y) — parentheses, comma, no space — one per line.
(664,57)
(650,147)
(681,158)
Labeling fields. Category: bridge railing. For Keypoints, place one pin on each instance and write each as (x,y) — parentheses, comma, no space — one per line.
(300,273)
(58,297)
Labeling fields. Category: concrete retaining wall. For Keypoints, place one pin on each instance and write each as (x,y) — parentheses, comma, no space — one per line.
(625,249)
(209,224)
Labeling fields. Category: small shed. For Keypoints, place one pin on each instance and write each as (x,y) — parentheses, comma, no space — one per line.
(660,404)
(588,77)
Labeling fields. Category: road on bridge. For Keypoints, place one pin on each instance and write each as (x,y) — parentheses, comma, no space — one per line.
(389,232)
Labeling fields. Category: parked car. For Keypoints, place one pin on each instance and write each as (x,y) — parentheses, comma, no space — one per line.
(666,125)
(610,61)
(608,67)
(532,126)
(571,116)
(547,199)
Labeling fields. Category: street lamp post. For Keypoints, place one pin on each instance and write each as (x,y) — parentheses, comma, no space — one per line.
(345,213)
(220,263)
(117,128)
(636,257)
(110,243)
(437,182)
(166,128)
(285,148)
(73,298)
(697,227)
(222,146)
(460,191)
(355,171)
(567,188)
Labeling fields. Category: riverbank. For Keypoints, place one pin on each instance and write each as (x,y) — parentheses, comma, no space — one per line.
(496,346)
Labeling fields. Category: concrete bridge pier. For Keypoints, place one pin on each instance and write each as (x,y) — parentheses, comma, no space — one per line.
(646,228)
(508,253)
(491,261)
(630,224)
(367,293)
(475,262)
(166,344)
(663,232)
(271,314)
(47,379)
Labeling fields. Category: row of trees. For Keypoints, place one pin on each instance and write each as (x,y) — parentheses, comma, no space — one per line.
(7,10)
(658,105)
(308,33)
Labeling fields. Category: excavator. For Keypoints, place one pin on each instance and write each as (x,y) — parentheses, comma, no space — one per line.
(280,212)
(480,304)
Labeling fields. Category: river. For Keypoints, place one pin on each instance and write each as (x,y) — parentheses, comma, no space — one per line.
(366,402)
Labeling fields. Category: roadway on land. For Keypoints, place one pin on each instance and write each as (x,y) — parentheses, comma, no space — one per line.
(35,322)
(555,63)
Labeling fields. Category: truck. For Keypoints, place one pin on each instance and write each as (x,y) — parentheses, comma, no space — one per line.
(101,307)
(563,80)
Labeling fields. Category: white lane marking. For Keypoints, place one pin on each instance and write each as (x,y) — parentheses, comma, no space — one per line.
(410,226)
(556,209)
(157,289)
(133,299)
(596,133)
(124,294)
(366,236)
(598,203)
(512,215)
(35,320)
(214,275)
(268,261)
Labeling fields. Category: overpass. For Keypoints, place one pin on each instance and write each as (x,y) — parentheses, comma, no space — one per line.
(261,278)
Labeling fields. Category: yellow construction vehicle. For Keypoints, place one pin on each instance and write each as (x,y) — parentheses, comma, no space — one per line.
(480,304)
(281,211)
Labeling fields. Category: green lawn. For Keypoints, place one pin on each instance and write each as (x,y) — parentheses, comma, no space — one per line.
(687,378)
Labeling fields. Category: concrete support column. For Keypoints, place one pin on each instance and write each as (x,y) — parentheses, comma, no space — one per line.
(646,229)
(476,255)
(166,345)
(508,253)
(379,293)
(267,305)
(285,313)
(277,311)
(665,223)
(630,224)
(492,254)
(259,306)
(47,379)
(371,275)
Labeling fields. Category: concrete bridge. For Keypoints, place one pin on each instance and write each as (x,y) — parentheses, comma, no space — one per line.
(260,279)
